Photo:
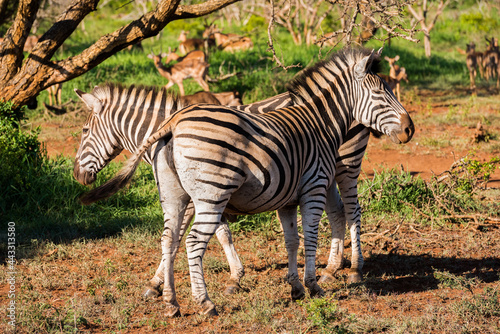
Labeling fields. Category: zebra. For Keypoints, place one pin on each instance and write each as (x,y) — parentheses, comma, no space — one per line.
(351,153)
(228,161)
(344,206)
(133,113)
